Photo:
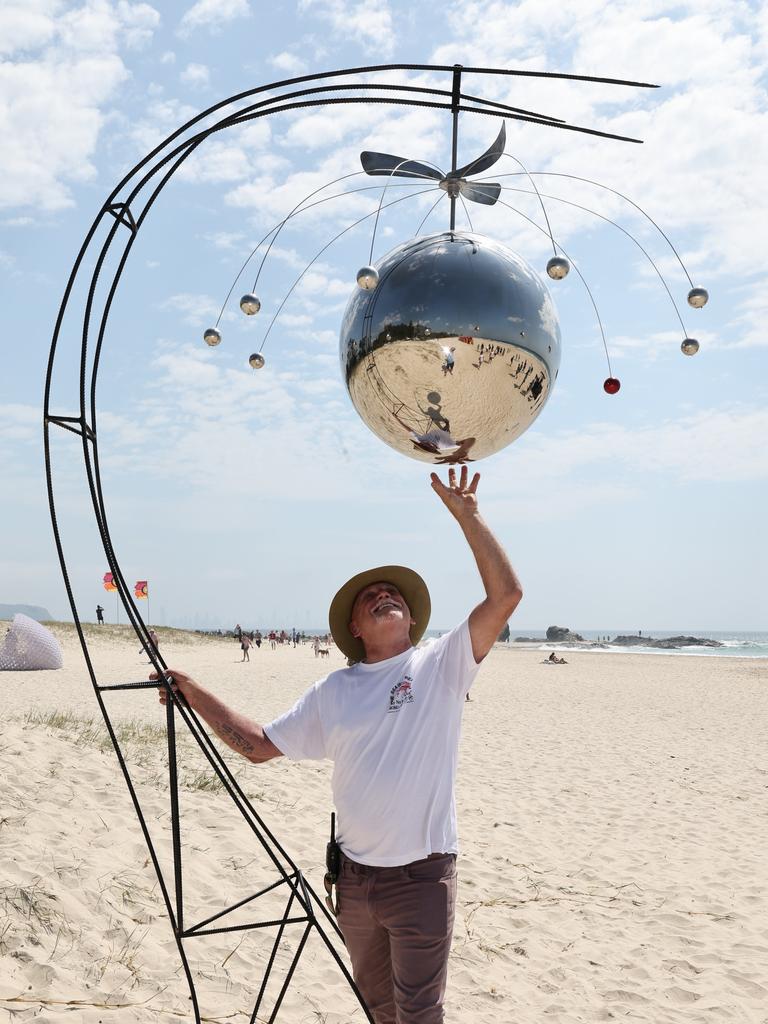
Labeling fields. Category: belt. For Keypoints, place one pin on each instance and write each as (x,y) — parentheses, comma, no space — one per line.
(369,869)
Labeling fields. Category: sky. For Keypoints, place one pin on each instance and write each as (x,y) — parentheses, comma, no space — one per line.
(250,496)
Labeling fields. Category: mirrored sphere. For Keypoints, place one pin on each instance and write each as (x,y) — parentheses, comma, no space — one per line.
(611,385)
(689,347)
(367,278)
(420,373)
(256,360)
(250,304)
(698,297)
(212,337)
(558,268)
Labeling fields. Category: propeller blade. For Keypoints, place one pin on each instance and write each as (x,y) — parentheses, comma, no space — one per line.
(485,193)
(487,159)
(385,163)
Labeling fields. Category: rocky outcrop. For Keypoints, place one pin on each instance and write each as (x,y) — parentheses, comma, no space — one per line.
(670,643)
(528,640)
(561,634)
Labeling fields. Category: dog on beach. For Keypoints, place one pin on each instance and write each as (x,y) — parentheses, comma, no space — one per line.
(323,652)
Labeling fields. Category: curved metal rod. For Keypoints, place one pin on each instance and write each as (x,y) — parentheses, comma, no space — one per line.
(578,206)
(575,267)
(466,211)
(394,171)
(589,181)
(282,83)
(429,211)
(535,189)
(281,224)
(327,246)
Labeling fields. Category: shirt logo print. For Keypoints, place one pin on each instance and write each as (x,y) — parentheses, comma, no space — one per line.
(401,694)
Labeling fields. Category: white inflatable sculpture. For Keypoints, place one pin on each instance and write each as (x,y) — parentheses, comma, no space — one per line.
(28,646)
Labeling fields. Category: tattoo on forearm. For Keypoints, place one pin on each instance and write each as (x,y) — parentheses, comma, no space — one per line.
(235,739)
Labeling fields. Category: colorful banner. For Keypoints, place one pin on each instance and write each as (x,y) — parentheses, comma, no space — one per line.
(109,583)
(141,590)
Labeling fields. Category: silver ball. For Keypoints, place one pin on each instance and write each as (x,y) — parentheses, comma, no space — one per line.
(250,304)
(558,268)
(698,297)
(689,347)
(256,360)
(212,337)
(367,278)
(398,373)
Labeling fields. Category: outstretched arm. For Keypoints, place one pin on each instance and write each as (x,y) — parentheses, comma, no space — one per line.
(502,587)
(238,732)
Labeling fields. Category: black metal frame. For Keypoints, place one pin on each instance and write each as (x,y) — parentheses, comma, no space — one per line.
(127,208)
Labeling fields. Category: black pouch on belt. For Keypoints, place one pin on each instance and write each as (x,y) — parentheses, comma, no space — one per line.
(333,853)
(333,866)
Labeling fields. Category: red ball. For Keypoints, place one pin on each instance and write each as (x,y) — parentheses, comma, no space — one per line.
(611,385)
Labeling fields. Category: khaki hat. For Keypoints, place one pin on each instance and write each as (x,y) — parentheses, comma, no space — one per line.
(409,583)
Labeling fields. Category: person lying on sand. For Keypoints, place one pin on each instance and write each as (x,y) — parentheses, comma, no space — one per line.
(390,722)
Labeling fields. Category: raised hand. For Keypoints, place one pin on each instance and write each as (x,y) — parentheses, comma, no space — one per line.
(458,498)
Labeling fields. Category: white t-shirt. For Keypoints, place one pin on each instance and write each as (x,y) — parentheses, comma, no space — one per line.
(392,730)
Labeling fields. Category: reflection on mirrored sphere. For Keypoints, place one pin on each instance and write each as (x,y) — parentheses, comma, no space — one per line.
(611,385)
(250,304)
(558,268)
(453,355)
(689,347)
(698,297)
(256,360)
(367,278)
(212,337)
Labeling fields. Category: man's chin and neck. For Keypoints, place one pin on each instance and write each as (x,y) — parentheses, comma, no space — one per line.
(381,645)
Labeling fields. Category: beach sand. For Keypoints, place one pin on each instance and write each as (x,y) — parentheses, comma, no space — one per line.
(612,815)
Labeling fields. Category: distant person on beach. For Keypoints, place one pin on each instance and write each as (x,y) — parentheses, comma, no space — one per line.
(237,631)
(245,646)
(555,660)
(99,615)
(316,645)
(390,723)
(154,639)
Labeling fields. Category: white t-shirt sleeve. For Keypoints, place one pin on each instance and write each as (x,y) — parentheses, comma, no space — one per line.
(458,667)
(299,733)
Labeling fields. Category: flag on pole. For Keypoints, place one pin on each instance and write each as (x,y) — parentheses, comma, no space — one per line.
(109,583)
(141,590)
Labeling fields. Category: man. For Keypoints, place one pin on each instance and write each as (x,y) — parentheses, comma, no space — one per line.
(391,724)
(99,615)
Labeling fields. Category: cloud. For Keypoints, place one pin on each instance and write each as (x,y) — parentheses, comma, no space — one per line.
(52,97)
(712,445)
(196,75)
(369,25)
(289,63)
(212,14)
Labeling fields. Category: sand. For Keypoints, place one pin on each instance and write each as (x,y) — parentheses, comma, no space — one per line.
(612,814)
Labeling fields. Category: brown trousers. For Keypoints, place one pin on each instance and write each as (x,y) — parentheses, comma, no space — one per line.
(397,924)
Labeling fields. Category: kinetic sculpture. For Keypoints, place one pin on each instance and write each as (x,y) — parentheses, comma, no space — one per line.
(450,346)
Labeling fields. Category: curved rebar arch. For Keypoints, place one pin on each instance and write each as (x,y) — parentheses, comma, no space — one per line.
(114,230)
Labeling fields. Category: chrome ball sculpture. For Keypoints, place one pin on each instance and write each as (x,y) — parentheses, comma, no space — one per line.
(558,268)
(367,278)
(250,305)
(698,297)
(256,360)
(453,355)
(212,337)
(689,347)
